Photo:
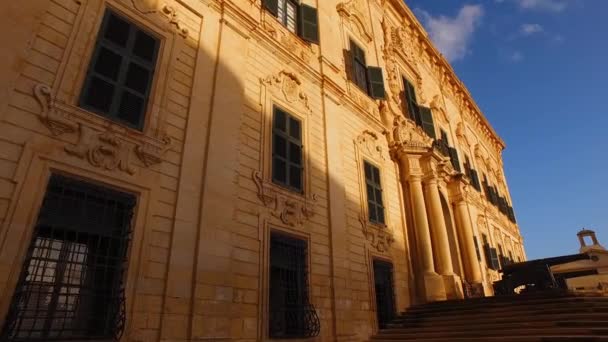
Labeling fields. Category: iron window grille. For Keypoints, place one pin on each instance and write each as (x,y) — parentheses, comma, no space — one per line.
(287,159)
(373,186)
(385,294)
(291,313)
(71,282)
(119,79)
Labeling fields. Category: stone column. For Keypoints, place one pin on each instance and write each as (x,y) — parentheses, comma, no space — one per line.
(471,264)
(441,246)
(439,231)
(433,284)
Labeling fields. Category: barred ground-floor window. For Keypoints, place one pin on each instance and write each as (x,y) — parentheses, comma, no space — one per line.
(291,313)
(71,285)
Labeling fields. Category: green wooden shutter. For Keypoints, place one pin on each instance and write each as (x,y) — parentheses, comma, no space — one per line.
(454,159)
(477,248)
(272,6)
(375,83)
(426,119)
(309,24)
(411,102)
(494,259)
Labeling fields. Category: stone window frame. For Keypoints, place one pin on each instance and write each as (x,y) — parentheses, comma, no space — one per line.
(268,228)
(272,97)
(29,203)
(303,162)
(129,56)
(71,77)
(377,186)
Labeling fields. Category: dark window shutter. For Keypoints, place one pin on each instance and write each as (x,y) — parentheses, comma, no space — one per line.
(477,248)
(494,257)
(426,119)
(454,159)
(348,64)
(272,6)
(488,254)
(375,83)
(411,103)
(309,24)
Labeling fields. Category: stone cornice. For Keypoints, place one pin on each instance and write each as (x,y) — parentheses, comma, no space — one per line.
(461,95)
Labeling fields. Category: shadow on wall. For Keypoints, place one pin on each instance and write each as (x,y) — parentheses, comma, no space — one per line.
(232,235)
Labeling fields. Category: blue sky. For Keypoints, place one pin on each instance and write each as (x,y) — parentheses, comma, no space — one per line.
(539,71)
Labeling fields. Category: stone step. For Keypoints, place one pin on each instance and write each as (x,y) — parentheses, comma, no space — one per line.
(504,326)
(405,336)
(416,322)
(520,309)
(463,305)
(548,338)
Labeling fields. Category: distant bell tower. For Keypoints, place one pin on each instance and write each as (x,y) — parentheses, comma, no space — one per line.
(594,246)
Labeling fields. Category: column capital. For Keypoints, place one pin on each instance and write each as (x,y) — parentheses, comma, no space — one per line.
(459,188)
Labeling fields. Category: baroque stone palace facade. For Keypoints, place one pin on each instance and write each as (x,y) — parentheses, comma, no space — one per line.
(198,170)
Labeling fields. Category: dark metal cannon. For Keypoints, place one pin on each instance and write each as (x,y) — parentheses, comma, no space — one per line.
(536,275)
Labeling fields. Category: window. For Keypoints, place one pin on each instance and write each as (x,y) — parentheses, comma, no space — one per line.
(422,116)
(287,14)
(291,314)
(359,66)
(477,248)
(367,78)
(120,74)
(373,187)
(472,174)
(287,160)
(490,254)
(71,283)
(300,19)
(454,159)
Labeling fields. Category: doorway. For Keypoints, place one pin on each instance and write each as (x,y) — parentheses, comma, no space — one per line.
(385,295)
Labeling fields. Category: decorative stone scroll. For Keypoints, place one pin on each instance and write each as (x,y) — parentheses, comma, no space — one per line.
(57,122)
(289,86)
(353,11)
(379,238)
(101,147)
(407,134)
(288,40)
(369,144)
(171,13)
(291,210)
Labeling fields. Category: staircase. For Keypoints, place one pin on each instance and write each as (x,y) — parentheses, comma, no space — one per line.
(540,317)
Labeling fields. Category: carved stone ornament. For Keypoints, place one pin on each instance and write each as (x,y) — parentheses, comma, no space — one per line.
(369,144)
(145,6)
(437,107)
(57,122)
(408,136)
(292,211)
(363,101)
(353,10)
(100,146)
(289,85)
(103,149)
(287,39)
(171,13)
(379,238)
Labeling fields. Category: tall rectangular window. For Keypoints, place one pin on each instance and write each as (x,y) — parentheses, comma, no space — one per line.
(72,280)
(359,71)
(410,102)
(287,159)
(119,79)
(291,314)
(477,248)
(373,187)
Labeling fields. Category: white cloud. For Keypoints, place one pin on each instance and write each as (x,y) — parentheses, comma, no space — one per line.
(540,5)
(530,29)
(516,57)
(452,35)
